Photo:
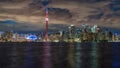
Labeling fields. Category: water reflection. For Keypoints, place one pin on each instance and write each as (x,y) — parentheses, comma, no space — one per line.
(13,52)
(11,61)
(71,57)
(115,60)
(47,55)
(86,55)
(29,57)
(94,55)
(77,55)
(60,55)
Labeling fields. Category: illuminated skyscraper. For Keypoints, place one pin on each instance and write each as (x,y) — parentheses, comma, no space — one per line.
(71,30)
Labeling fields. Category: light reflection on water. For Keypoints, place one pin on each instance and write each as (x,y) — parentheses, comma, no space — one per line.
(47,58)
(94,56)
(116,58)
(12,52)
(71,55)
(77,55)
(28,57)
(59,55)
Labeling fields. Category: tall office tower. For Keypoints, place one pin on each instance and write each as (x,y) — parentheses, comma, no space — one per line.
(71,31)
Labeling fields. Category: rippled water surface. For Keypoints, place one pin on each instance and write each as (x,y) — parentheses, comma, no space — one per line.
(60,55)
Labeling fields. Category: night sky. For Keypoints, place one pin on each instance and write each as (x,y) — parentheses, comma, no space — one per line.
(29,15)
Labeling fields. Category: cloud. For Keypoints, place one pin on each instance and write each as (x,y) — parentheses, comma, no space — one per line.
(64,12)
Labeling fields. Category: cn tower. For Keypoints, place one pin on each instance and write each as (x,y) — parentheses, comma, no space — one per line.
(46,20)
(45,3)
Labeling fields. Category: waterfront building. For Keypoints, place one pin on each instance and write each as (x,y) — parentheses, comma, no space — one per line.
(71,31)
(76,34)
(1,32)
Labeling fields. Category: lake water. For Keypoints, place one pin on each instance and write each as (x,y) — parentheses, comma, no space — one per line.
(60,55)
